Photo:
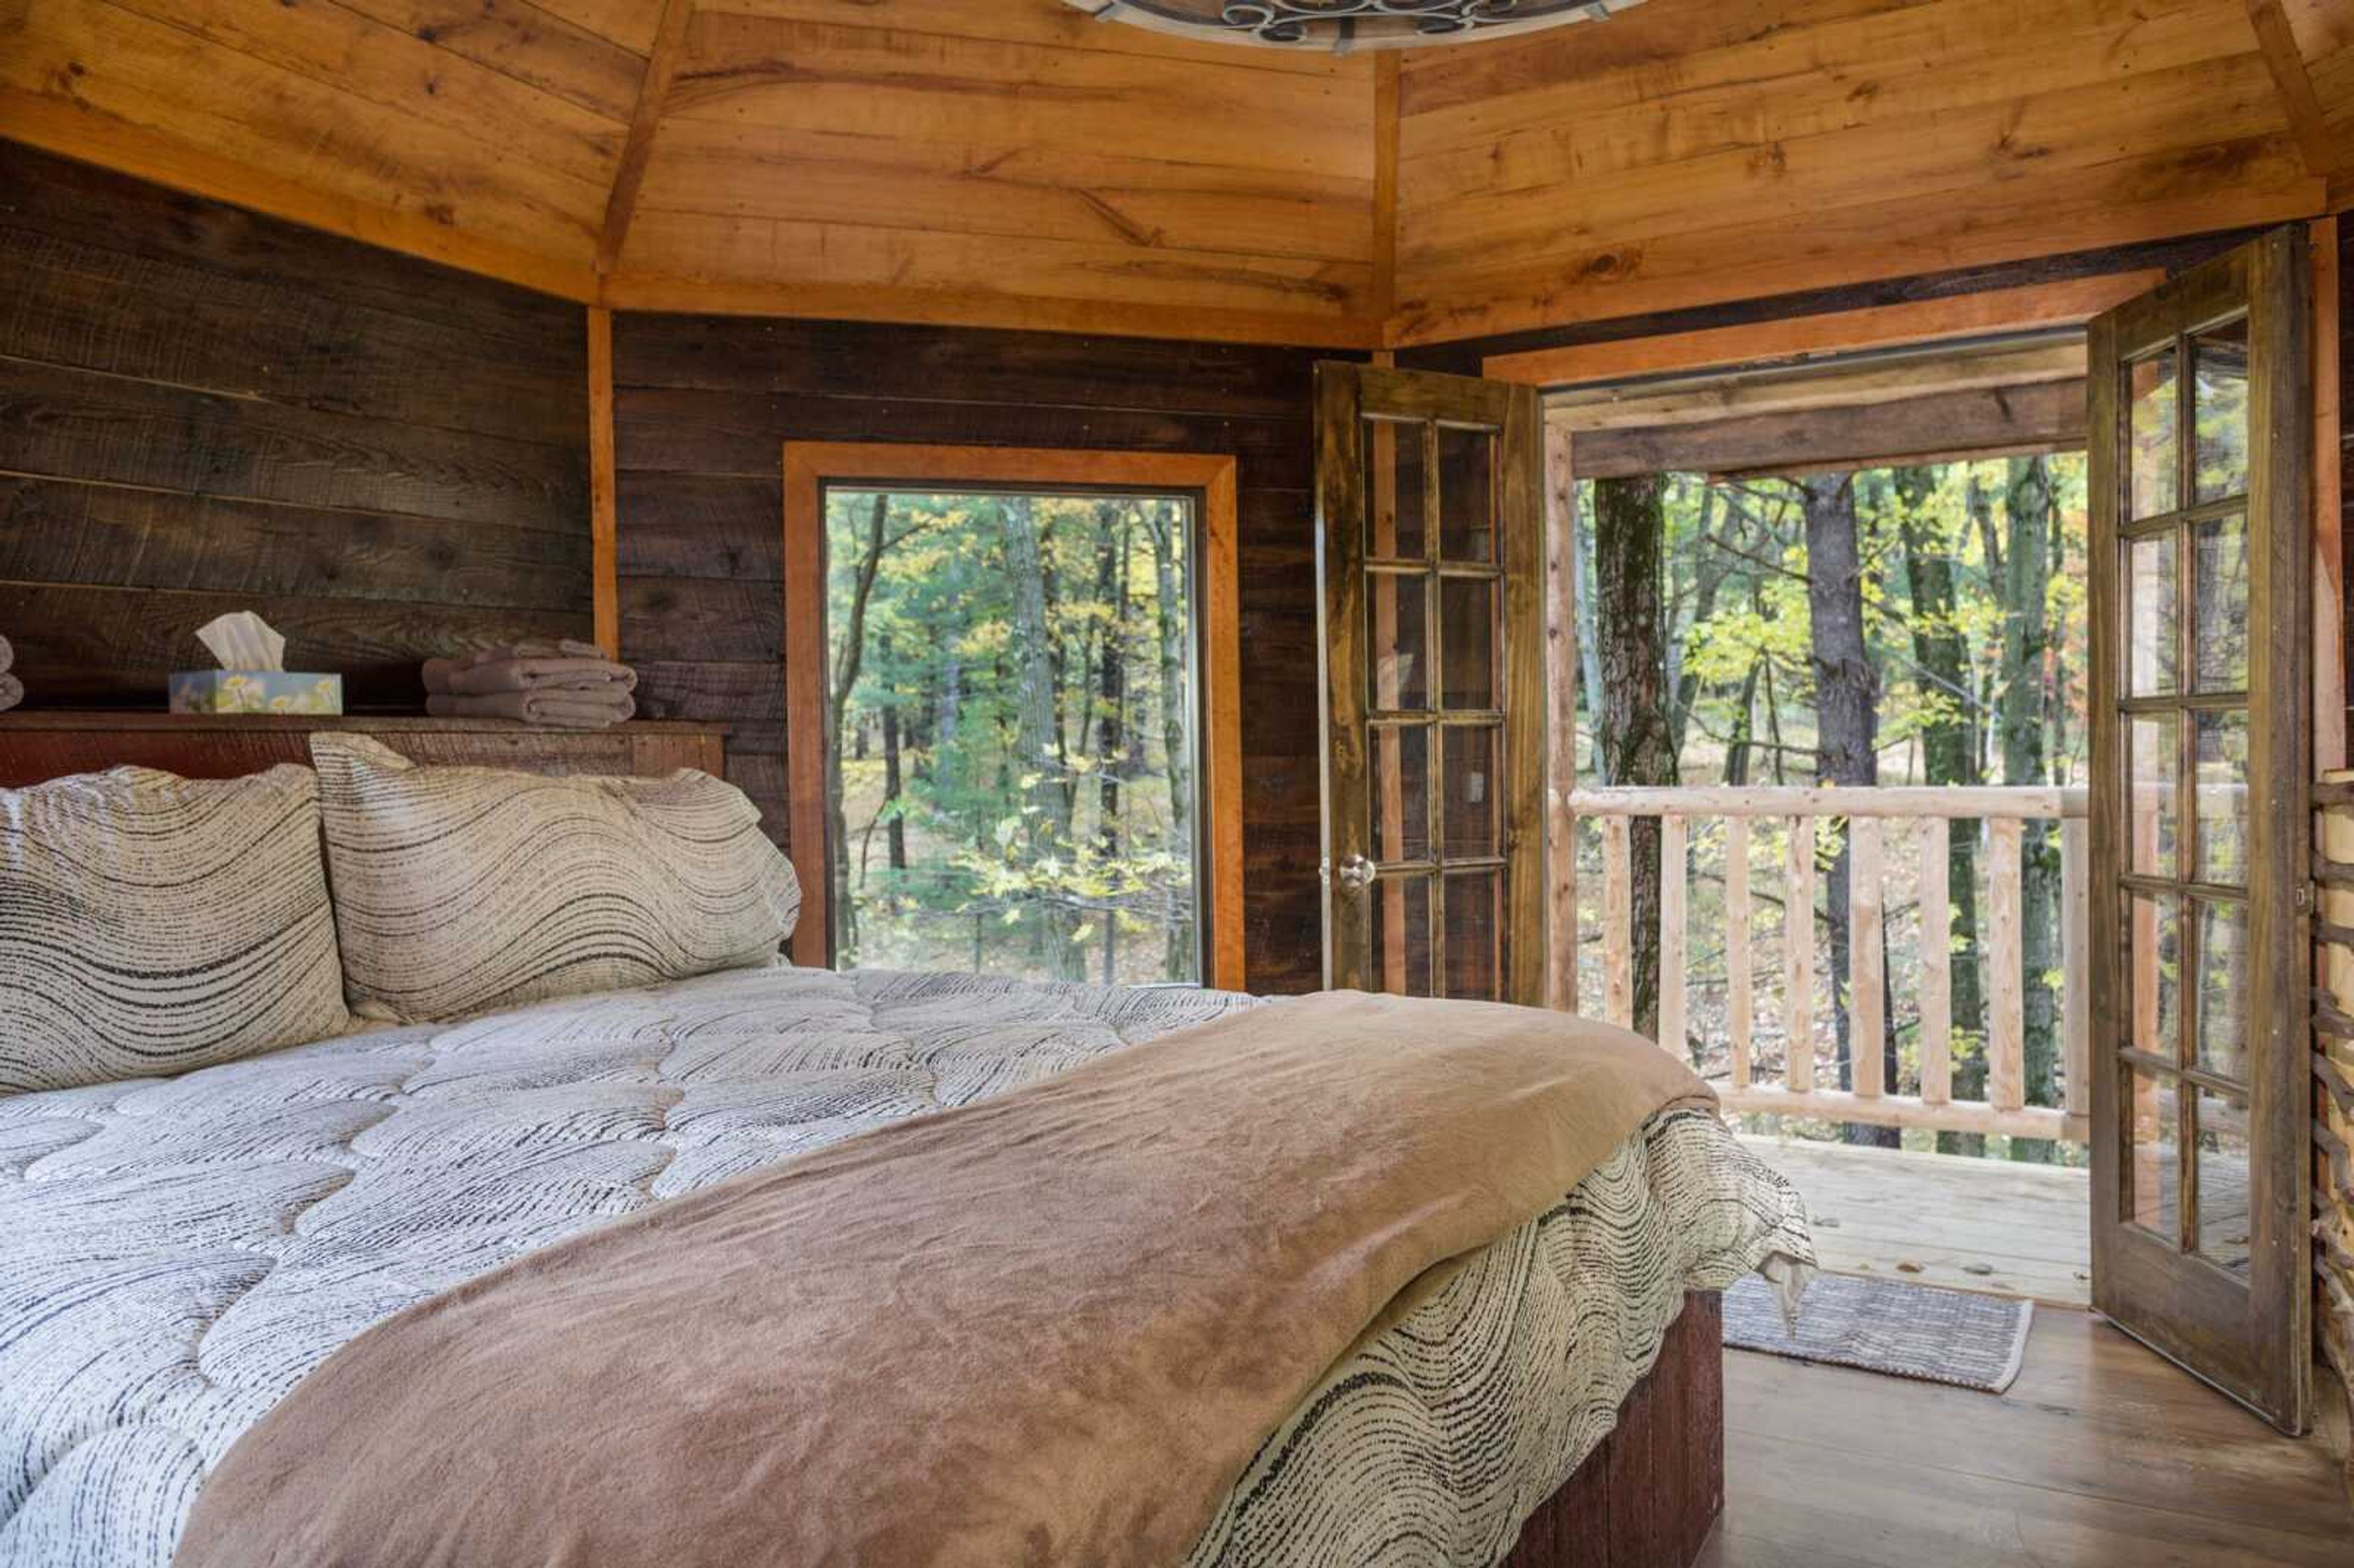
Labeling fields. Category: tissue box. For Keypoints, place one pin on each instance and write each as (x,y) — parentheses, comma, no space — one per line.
(255,691)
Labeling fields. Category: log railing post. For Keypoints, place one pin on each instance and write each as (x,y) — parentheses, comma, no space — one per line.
(1936,962)
(1617,922)
(2075,973)
(1674,866)
(1867,959)
(1738,980)
(2006,979)
(1798,954)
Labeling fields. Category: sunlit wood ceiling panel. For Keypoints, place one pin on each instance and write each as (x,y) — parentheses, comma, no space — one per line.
(319,95)
(1027,161)
(1705,150)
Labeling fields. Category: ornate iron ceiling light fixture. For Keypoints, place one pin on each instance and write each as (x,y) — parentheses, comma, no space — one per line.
(1344,25)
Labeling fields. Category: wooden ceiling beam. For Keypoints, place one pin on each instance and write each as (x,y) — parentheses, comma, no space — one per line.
(2309,123)
(654,91)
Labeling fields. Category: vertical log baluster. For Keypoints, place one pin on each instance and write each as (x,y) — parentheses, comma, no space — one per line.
(1737,978)
(1618,923)
(2005,981)
(1798,954)
(1675,858)
(2077,978)
(1936,963)
(1867,959)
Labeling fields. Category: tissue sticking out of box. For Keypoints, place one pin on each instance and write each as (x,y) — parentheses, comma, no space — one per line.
(243,640)
(252,677)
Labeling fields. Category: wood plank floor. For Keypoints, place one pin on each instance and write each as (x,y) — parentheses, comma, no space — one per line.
(2101,1455)
(1973,1224)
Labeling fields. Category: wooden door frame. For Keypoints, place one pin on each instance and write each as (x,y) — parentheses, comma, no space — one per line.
(2190,1303)
(811,466)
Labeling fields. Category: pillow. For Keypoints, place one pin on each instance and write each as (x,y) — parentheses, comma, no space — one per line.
(461,890)
(151,924)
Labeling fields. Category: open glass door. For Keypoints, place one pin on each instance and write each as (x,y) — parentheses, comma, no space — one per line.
(1429,550)
(2200,473)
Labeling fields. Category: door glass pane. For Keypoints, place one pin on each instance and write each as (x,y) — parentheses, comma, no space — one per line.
(2153,1167)
(2218,609)
(2154,974)
(2219,359)
(1396,608)
(2225,1214)
(1474,796)
(2153,804)
(1395,497)
(1475,933)
(1398,760)
(1401,933)
(1467,495)
(1468,611)
(2152,445)
(2151,589)
(2223,990)
(2222,758)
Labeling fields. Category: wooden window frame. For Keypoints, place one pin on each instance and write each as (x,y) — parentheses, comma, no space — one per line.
(809,467)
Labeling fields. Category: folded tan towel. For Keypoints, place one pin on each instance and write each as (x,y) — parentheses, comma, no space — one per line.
(532,675)
(556,710)
(12,691)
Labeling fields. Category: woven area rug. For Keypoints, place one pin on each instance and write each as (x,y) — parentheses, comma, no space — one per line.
(1887,1326)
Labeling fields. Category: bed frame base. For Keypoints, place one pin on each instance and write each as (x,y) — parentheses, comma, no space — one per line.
(1648,1497)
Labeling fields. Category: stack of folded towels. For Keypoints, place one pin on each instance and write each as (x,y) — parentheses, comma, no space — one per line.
(562,685)
(12,690)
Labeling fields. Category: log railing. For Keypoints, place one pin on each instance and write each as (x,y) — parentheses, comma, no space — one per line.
(1939,813)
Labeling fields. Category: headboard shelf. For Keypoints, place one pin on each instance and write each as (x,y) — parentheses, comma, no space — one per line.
(50,744)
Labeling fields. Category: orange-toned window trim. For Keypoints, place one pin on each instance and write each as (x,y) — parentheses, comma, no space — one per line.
(811,466)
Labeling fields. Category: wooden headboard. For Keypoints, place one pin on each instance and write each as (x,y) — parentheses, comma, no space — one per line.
(35,746)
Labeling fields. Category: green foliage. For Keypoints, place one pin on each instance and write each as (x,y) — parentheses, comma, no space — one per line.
(1041,809)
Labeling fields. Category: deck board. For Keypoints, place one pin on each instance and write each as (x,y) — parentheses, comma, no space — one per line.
(1972,1224)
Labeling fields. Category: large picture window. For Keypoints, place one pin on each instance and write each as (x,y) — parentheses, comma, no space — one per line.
(1012,782)
(1008,742)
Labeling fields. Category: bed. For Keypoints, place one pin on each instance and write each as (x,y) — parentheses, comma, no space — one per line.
(185,1251)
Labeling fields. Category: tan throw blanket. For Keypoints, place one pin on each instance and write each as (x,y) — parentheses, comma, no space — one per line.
(1047,1328)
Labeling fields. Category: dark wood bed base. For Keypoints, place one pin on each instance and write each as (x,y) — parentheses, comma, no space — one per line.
(39,745)
(1647,1498)
(1649,1495)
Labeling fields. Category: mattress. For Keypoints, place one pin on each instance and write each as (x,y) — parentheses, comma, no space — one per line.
(180,1253)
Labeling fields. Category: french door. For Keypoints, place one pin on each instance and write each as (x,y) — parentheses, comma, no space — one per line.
(1429,551)
(2200,478)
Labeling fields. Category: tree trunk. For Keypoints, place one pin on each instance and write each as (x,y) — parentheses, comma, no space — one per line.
(1182,943)
(1631,732)
(1038,738)
(1949,754)
(2027,565)
(845,682)
(1846,724)
(894,831)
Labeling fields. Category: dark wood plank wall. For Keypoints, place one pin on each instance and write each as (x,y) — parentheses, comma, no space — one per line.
(202,409)
(703,406)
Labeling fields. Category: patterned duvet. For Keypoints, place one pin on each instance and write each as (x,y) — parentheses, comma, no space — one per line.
(176,1254)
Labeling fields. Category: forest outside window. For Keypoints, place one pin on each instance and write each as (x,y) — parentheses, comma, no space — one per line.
(1012,665)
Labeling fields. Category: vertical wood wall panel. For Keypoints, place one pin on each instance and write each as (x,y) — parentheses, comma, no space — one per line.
(703,405)
(202,410)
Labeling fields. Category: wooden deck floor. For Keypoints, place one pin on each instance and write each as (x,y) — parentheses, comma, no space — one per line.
(1974,1225)
(2101,1455)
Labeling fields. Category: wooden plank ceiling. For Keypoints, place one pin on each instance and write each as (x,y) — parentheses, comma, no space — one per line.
(1012,162)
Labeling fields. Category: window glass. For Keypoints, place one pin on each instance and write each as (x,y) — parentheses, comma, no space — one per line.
(1012,762)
